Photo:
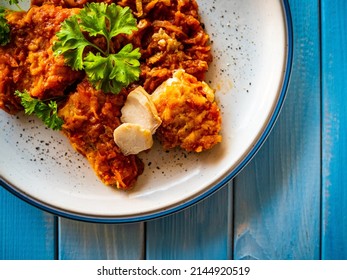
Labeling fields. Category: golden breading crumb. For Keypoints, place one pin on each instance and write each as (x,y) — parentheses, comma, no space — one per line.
(170,36)
(28,62)
(190,116)
(90,117)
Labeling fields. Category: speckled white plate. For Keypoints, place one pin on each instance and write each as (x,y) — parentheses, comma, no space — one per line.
(252,47)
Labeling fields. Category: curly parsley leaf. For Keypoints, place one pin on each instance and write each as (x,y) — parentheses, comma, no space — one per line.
(4,28)
(47,112)
(93,18)
(121,20)
(114,72)
(107,20)
(71,43)
(106,70)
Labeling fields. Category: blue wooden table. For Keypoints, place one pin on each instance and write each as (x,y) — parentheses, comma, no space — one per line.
(290,201)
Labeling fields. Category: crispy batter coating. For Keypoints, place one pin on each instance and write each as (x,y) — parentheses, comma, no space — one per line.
(90,117)
(170,36)
(66,3)
(190,116)
(28,61)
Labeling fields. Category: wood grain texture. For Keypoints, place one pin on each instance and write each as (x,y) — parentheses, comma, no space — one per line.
(334,136)
(202,231)
(26,233)
(89,241)
(271,210)
(277,196)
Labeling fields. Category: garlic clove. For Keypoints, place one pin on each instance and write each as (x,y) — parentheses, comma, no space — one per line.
(132,138)
(140,109)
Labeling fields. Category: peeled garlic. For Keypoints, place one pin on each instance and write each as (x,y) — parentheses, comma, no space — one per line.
(140,120)
(132,138)
(140,109)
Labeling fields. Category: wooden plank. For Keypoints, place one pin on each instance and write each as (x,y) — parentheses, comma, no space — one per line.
(202,231)
(334,136)
(26,233)
(91,241)
(277,196)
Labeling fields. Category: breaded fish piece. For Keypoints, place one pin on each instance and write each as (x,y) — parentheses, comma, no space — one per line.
(190,116)
(90,117)
(28,62)
(67,3)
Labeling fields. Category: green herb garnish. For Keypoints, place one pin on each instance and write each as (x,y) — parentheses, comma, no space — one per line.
(4,28)
(14,2)
(47,112)
(105,69)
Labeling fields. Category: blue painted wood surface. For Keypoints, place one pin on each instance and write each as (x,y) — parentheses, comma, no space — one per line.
(204,231)
(288,203)
(25,232)
(334,121)
(277,196)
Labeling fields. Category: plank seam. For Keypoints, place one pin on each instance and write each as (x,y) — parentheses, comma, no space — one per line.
(321,128)
(56,237)
(231,218)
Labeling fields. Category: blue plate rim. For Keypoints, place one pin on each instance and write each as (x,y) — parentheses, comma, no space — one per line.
(225,180)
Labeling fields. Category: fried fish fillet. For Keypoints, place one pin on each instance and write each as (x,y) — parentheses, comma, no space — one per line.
(67,3)
(190,116)
(170,36)
(90,117)
(28,62)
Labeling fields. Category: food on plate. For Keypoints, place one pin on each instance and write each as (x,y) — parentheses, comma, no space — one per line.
(140,121)
(132,138)
(90,117)
(111,75)
(190,116)
(139,108)
(47,112)
(108,64)
(27,62)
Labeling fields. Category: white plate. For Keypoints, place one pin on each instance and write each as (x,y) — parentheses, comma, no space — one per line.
(252,47)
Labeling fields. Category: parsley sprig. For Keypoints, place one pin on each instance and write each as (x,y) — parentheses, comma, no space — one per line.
(105,69)
(47,112)
(4,28)
(15,3)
